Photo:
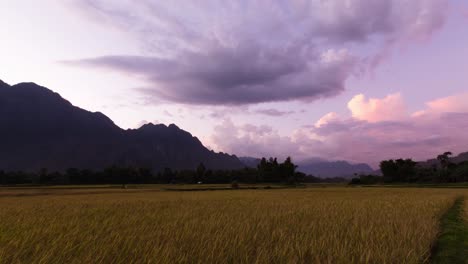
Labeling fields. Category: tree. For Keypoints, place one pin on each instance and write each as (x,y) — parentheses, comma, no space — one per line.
(460,173)
(2,177)
(299,176)
(43,176)
(389,170)
(201,169)
(406,170)
(168,176)
(399,170)
(287,171)
(262,170)
(73,175)
(145,175)
(444,159)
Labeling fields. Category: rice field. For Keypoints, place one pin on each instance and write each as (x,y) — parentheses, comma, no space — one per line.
(312,225)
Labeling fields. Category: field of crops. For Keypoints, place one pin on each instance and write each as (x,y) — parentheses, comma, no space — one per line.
(312,225)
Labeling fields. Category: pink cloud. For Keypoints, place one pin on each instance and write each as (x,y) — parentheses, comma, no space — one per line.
(451,104)
(252,140)
(372,133)
(389,108)
(330,117)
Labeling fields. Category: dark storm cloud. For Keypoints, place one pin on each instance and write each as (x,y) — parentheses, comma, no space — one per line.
(245,52)
(241,75)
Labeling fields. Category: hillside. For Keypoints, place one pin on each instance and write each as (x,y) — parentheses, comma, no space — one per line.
(40,129)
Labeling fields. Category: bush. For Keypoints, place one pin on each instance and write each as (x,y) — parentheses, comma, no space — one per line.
(235,185)
(355,181)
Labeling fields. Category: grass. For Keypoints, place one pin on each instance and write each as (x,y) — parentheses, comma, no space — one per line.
(461,185)
(452,245)
(313,225)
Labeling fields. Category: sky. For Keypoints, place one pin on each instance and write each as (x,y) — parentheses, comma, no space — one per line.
(355,80)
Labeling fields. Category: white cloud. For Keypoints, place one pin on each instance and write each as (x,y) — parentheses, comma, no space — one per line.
(392,107)
(330,117)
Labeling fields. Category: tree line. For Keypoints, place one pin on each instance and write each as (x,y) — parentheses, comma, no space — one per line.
(267,171)
(409,171)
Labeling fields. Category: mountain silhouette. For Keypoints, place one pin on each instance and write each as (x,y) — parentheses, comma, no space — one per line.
(40,129)
(320,167)
(462,157)
(250,162)
(323,168)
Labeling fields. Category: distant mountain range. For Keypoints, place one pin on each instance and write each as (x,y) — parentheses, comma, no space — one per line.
(40,129)
(250,162)
(322,168)
(434,162)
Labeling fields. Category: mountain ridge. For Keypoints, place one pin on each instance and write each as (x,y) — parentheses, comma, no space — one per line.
(461,157)
(321,168)
(44,130)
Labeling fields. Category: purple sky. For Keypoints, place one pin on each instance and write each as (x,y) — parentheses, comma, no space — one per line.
(360,80)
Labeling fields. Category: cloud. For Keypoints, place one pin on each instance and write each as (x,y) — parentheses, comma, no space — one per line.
(167,113)
(273,112)
(359,20)
(251,140)
(451,104)
(247,52)
(328,118)
(242,76)
(392,107)
(223,112)
(144,122)
(370,139)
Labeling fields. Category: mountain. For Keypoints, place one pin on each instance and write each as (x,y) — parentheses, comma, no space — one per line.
(328,169)
(434,162)
(320,167)
(40,129)
(250,162)
(460,158)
